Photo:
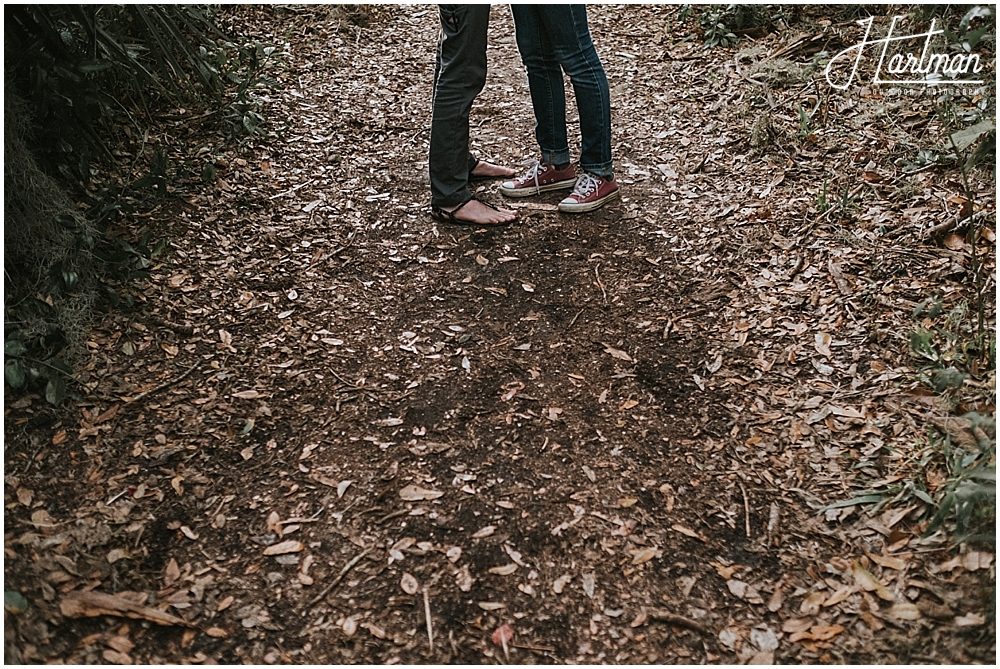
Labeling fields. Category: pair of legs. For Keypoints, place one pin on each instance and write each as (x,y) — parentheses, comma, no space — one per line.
(553,39)
(459,76)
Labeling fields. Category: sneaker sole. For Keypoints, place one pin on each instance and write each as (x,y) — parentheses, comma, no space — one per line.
(544,188)
(575,208)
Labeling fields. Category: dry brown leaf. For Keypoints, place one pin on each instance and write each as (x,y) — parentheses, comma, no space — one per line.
(503,635)
(793,625)
(284,548)
(225,603)
(777,599)
(904,611)
(413,493)
(217,632)
(274,522)
(744,591)
(688,533)
(491,606)
(724,571)
(866,580)
(409,584)
(485,532)
(839,596)
(644,555)
(505,570)
(811,604)
(172,573)
(247,394)
(617,354)
(822,344)
(888,561)
(560,583)
(92,604)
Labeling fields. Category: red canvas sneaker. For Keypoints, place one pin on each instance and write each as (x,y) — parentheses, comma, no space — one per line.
(589,194)
(539,179)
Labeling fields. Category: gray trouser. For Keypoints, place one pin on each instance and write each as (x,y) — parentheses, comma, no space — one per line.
(459,76)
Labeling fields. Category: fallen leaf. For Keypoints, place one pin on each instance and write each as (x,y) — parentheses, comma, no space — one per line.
(172,573)
(189,533)
(810,605)
(375,630)
(618,354)
(482,260)
(688,533)
(225,603)
(409,584)
(93,604)
(503,635)
(485,532)
(350,626)
(744,591)
(724,571)
(491,606)
(413,493)
(822,344)
(342,488)
(464,579)
(217,632)
(247,394)
(274,522)
(970,620)
(627,502)
(793,625)
(588,583)
(560,583)
(454,553)
(115,657)
(505,570)
(644,555)
(628,404)
(904,611)
(640,619)
(284,548)
(839,596)
(888,561)
(866,580)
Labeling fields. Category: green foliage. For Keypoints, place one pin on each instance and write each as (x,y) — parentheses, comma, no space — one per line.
(85,72)
(968,498)
(720,23)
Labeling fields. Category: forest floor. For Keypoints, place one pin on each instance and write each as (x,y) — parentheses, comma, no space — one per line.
(617,434)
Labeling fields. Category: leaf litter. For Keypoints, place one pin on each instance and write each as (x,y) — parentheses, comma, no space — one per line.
(656,404)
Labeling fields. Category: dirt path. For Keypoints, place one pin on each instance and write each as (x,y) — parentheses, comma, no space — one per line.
(611,432)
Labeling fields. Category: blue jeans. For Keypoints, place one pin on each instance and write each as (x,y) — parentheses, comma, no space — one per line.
(553,39)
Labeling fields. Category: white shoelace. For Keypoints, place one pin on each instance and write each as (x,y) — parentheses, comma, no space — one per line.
(533,175)
(585,185)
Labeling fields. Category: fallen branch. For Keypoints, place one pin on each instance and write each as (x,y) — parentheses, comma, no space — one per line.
(94,604)
(343,572)
(679,621)
(162,386)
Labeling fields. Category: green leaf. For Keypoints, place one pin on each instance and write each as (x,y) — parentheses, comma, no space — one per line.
(14,347)
(14,373)
(14,602)
(55,390)
(966,137)
(863,499)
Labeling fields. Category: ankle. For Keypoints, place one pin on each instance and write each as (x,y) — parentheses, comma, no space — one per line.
(561,166)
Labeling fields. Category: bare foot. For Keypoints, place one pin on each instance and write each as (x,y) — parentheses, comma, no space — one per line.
(484,170)
(477,213)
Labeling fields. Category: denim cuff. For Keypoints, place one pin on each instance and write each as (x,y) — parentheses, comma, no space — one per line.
(556,157)
(603,171)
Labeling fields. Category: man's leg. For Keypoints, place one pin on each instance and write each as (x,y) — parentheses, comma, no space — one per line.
(459,76)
